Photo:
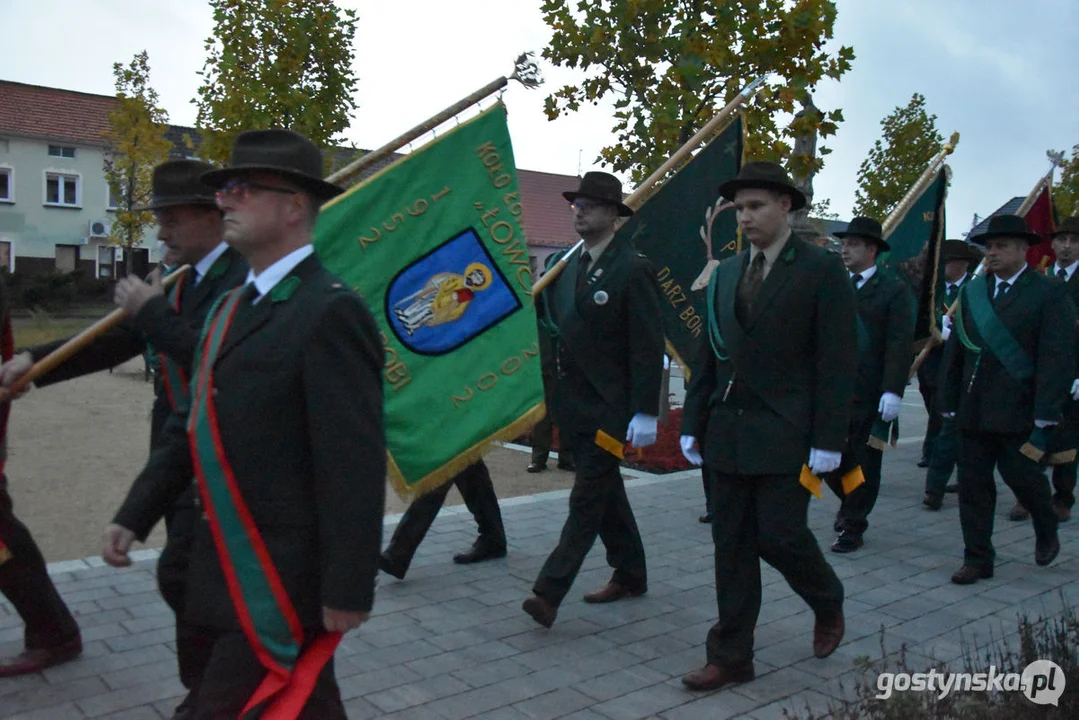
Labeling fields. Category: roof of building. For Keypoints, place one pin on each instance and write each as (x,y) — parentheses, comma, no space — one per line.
(68,116)
(1009,208)
(54,114)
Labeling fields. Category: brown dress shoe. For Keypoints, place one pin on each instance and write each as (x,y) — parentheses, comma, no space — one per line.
(827,634)
(32,661)
(968,575)
(933,502)
(1018,513)
(614,591)
(713,677)
(541,611)
(1063,512)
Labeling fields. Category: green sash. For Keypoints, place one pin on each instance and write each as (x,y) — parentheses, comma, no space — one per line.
(265,612)
(975,296)
(714,335)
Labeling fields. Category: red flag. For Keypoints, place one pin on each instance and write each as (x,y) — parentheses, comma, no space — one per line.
(1040,220)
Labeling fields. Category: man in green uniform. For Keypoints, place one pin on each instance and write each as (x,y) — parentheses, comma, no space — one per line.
(885,337)
(284,434)
(941,445)
(610,366)
(770,394)
(1007,370)
(1066,248)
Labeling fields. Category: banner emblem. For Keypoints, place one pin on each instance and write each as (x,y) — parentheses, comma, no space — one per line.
(449,296)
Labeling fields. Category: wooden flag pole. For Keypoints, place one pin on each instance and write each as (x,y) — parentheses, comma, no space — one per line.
(525,72)
(77,343)
(900,213)
(936,340)
(638,196)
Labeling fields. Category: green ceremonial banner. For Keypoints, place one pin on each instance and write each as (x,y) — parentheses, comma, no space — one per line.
(684,237)
(434,244)
(915,253)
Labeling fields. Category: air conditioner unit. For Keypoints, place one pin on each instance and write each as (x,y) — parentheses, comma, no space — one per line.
(99,228)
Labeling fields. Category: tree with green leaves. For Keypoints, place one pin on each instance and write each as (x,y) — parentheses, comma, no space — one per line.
(1066,188)
(671,65)
(135,144)
(896,161)
(276,63)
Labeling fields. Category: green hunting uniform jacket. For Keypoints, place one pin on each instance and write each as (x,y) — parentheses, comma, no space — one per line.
(1038,312)
(610,342)
(790,368)
(885,339)
(298,399)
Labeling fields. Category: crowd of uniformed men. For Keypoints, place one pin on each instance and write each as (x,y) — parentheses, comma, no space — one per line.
(272,552)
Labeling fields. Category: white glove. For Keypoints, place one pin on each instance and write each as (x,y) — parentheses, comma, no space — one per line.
(889,406)
(823,461)
(1044,423)
(948,415)
(1075,390)
(690,451)
(642,430)
(946,330)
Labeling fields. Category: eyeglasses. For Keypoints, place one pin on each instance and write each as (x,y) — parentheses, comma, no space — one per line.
(585,205)
(242,188)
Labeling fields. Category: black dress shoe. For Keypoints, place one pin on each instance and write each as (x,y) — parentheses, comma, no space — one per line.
(968,574)
(923,463)
(1045,553)
(713,677)
(706,518)
(536,467)
(847,542)
(388,565)
(568,466)
(951,488)
(480,551)
(933,502)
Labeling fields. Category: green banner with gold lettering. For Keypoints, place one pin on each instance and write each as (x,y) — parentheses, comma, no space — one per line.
(685,231)
(434,244)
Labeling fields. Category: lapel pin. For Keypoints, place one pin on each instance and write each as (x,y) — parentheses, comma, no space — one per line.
(600,298)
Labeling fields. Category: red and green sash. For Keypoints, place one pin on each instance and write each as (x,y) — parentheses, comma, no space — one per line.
(262,605)
(176,384)
(7,349)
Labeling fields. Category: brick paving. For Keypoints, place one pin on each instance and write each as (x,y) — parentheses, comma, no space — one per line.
(451,642)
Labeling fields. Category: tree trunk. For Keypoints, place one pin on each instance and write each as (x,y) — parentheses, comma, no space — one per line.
(806,145)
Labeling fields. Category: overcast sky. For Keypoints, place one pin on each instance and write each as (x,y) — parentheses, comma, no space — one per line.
(1001,72)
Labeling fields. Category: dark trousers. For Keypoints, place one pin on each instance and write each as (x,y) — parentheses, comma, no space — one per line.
(25,582)
(706,480)
(854,508)
(762,517)
(598,507)
(193,647)
(1064,485)
(233,673)
(979,454)
(543,439)
(476,488)
(927,386)
(942,461)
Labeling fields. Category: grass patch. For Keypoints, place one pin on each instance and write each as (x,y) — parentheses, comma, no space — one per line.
(41,327)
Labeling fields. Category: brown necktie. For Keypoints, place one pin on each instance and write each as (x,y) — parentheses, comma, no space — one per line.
(751,282)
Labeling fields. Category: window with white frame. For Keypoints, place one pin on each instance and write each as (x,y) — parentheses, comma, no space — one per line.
(62,189)
(61,151)
(7,184)
(114,199)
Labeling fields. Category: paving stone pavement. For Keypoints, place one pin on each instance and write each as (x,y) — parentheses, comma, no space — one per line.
(451,642)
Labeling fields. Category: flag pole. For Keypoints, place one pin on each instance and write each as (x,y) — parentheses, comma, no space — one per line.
(936,339)
(900,212)
(638,196)
(77,343)
(526,72)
